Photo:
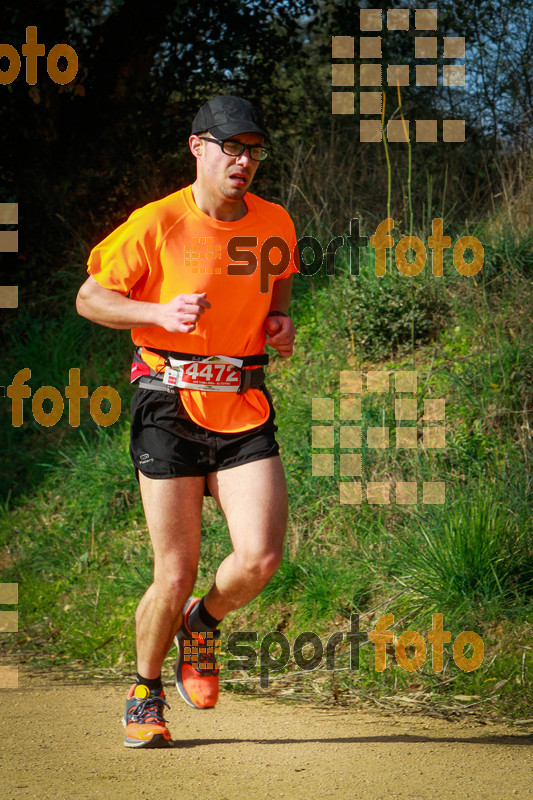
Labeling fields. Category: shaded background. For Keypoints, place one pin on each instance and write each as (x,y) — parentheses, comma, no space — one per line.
(78,158)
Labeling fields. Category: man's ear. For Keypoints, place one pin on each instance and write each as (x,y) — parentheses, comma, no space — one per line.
(196,145)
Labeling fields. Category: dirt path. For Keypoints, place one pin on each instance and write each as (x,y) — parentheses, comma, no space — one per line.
(64,741)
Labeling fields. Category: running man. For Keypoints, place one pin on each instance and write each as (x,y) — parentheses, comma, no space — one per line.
(200,426)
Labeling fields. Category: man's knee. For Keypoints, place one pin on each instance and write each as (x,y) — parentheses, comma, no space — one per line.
(259,567)
(174,586)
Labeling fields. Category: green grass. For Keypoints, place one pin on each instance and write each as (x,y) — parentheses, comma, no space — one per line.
(50,347)
(472,557)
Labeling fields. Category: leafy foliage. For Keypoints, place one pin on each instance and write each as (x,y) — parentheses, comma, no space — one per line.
(386,315)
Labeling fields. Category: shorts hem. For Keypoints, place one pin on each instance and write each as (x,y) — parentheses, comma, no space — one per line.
(161,476)
(257,457)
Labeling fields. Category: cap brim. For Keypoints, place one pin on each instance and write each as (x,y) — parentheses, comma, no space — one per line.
(235,128)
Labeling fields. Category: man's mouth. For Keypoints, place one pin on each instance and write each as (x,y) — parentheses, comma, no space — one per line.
(239,179)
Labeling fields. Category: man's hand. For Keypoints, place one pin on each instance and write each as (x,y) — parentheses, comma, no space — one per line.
(181,314)
(110,308)
(280,334)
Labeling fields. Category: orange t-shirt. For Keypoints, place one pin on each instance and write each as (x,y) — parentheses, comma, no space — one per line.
(170,247)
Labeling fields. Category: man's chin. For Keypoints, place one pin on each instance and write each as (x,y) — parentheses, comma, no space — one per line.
(235,192)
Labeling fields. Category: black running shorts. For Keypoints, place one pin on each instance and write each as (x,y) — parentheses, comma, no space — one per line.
(167,443)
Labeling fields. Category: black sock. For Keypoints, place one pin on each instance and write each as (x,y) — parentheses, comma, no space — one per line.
(205,617)
(150,683)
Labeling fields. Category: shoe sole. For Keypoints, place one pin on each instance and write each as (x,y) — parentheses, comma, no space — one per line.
(179,663)
(158,740)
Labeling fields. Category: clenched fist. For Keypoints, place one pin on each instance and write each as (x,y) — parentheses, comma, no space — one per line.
(181,314)
(280,334)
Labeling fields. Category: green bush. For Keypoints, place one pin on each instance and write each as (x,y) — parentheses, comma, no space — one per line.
(386,316)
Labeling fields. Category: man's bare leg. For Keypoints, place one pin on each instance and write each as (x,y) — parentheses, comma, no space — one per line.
(173,509)
(253,498)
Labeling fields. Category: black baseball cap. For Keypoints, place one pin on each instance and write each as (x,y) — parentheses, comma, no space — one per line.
(225,116)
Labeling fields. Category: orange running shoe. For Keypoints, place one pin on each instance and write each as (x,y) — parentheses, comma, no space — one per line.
(196,666)
(143,718)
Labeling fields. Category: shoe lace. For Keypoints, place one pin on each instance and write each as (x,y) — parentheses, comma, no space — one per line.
(149,710)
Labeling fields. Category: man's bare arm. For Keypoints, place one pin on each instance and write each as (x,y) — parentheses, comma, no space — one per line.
(112,309)
(281,295)
(280,330)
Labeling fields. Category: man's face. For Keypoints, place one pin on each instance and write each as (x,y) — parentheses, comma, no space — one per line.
(228,177)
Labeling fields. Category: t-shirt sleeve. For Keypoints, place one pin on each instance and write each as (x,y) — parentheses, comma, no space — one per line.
(123,257)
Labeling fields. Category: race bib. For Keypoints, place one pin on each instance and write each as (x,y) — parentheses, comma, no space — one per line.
(211,374)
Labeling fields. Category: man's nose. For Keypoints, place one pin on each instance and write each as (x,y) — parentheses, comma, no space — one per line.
(245,157)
